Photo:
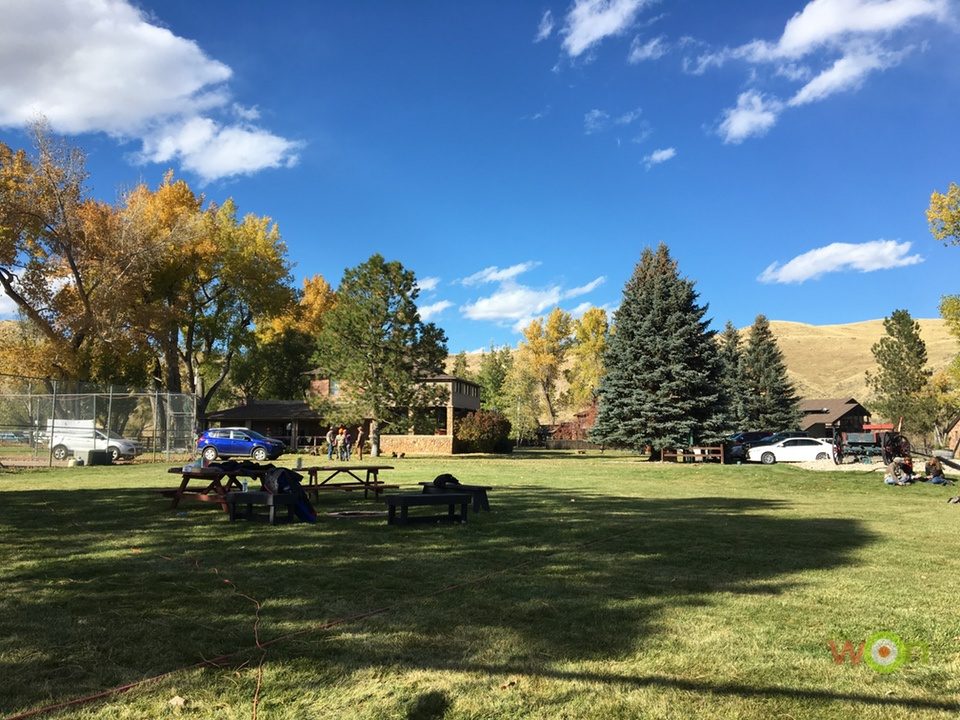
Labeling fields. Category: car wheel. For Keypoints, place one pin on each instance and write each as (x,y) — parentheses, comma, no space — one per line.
(822,456)
(60,452)
(210,452)
(768,458)
(259,454)
(114,453)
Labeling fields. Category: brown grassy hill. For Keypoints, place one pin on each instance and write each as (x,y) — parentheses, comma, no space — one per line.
(832,360)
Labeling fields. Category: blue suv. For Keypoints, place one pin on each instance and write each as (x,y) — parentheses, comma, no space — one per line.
(230,442)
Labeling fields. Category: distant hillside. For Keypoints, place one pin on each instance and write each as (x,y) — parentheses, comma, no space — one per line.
(832,360)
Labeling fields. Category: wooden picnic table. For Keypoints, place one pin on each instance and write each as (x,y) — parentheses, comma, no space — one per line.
(216,489)
(369,481)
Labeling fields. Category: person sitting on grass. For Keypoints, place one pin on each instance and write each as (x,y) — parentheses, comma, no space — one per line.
(899,472)
(934,472)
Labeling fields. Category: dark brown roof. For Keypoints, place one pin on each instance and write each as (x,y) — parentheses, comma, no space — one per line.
(829,410)
(267,410)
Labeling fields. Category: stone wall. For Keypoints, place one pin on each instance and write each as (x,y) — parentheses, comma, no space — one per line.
(416,445)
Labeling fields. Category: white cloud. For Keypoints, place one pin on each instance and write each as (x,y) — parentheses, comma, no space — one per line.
(753,115)
(650,50)
(837,257)
(213,151)
(793,72)
(595,121)
(846,73)
(545,28)
(495,274)
(103,66)
(590,21)
(628,117)
(433,309)
(249,114)
(428,284)
(512,302)
(832,22)
(840,43)
(584,289)
(659,156)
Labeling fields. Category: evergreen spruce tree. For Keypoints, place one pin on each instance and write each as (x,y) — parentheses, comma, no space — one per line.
(662,382)
(731,381)
(902,374)
(769,399)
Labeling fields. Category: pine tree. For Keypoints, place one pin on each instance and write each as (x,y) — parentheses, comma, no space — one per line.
(731,381)
(902,375)
(662,383)
(769,399)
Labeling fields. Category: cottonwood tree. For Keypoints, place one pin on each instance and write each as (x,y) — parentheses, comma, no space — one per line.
(543,351)
(461,367)
(769,398)
(376,346)
(212,274)
(61,265)
(943,214)
(586,352)
(900,381)
(661,387)
(491,376)
(520,395)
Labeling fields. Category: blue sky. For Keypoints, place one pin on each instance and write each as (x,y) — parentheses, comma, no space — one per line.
(519,156)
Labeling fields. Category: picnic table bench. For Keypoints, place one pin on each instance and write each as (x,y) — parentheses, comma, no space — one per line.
(477,492)
(216,489)
(369,481)
(261,497)
(407,500)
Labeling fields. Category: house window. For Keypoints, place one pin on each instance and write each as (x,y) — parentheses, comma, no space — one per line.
(334,388)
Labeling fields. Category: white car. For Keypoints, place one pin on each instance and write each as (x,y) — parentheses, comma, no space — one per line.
(75,442)
(791,450)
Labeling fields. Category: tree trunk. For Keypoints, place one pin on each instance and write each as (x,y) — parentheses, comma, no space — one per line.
(374,438)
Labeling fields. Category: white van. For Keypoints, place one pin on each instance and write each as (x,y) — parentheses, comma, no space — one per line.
(76,437)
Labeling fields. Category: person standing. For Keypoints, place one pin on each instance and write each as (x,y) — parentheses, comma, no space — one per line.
(360,441)
(339,441)
(347,446)
(330,440)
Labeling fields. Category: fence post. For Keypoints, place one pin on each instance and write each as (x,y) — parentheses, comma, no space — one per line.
(156,430)
(53,426)
(167,413)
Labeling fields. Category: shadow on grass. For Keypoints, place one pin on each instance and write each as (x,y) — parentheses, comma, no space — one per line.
(108,586)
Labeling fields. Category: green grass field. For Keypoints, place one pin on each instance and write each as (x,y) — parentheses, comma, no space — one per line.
(598,587)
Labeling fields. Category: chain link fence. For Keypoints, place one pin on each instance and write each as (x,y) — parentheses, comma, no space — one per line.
(46,422)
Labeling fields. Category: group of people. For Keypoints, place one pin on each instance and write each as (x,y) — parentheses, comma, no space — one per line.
(343,444)
(900,472)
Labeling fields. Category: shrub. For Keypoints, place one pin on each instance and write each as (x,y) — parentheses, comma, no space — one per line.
(483,431)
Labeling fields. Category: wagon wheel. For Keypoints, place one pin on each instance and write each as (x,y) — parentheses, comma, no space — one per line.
(893,444)
(887,450)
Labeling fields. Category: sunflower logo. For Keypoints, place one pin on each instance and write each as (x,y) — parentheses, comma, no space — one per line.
(885,652)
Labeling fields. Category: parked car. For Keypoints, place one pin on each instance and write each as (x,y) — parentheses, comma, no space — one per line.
(72,441)
(231,442)
(737,444)
(791,450)
(782,435)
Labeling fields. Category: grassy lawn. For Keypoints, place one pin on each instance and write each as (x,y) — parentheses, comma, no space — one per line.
(598,587)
